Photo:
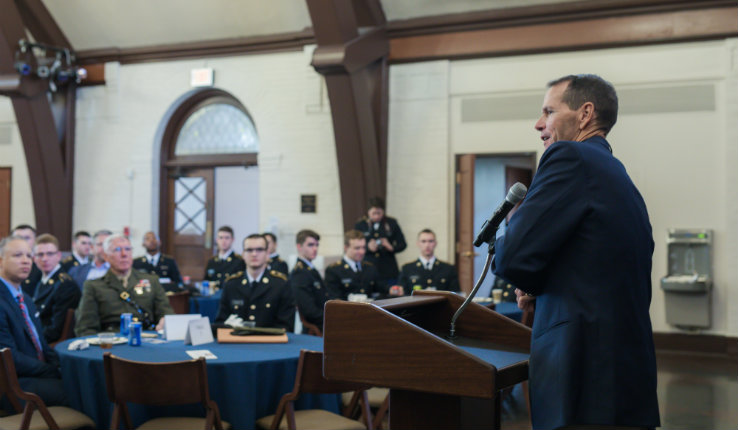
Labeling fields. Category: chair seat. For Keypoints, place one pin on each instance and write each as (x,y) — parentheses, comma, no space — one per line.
(66,418)
(179,423)
(314,419)
(376,396)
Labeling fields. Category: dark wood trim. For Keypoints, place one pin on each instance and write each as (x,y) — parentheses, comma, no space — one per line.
(632,30)
(352,56)
(542,14)
(294,41)
(697,343)
(208,160)
(522,17)
(41,24)
(6,232)
(168,162)
(95,75)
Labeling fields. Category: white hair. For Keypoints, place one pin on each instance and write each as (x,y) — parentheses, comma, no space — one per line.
(109,242)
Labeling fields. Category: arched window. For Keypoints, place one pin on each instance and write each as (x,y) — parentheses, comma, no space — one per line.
(217,128)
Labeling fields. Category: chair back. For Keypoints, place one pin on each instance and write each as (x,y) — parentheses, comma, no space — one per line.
(309,327)
(9,379)
(67,329)
(310,377)
(170,383)
(180,302)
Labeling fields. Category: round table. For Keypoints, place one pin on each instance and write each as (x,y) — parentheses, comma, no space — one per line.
(206,306)
(246,380)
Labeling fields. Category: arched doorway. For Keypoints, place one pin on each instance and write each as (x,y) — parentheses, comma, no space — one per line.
(208,143)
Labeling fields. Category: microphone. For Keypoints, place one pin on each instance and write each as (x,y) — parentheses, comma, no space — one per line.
(487,232)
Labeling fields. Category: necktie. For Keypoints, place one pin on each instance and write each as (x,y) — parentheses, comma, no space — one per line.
(429,266)
(27,319)
(358,267)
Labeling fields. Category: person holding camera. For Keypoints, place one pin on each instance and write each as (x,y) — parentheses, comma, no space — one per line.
(384,239)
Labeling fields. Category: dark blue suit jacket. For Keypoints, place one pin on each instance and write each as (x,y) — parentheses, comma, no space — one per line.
(582,243)
(14,334)
(79,274)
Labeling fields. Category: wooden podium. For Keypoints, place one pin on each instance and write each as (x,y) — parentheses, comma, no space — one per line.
(434,382)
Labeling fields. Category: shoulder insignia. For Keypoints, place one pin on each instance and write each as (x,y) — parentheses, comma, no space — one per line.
(279,275)
(299,265)
(68,259)
(367,263)
(336,263)
(167,256)
(64,276)
(234,276)
(143,259)
(237,256)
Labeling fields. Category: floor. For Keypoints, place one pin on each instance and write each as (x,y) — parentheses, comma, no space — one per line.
(696,391)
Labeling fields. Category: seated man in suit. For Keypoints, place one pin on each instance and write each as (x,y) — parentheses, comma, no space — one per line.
(306,282)
(81,249)
(28,233)
(156,263)
(351,274)
(96,268)
(259,295)
(121,290)
(56,293)
(275,262)
(37,365)
(428,272)
(227,262)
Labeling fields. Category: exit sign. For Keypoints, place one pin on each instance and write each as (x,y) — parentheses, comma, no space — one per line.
(202,77)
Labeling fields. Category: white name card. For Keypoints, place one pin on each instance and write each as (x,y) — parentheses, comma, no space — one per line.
(199,332)
(175,326)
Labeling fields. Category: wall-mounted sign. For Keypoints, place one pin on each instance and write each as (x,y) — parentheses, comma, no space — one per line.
(308,203)
(202,77)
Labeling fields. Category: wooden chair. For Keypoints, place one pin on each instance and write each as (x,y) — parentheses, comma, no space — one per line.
(180,382)
(309,379)
(180,302)
(35,414)
(67,328)
(378,400)
(308,327)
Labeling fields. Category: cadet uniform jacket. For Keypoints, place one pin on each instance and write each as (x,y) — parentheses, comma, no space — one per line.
(219,269)
(442,276)
(383,259)
(165,268)
(71,261)
(310,292)
(52,299)
(102,302)
(29,285)
(276,263)
(268,302)
(341,280)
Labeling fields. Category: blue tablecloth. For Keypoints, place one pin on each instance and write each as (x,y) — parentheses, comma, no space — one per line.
(510,310)
(206,306)
(246,381)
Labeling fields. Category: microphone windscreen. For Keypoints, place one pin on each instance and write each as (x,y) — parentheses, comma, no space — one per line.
(516,193)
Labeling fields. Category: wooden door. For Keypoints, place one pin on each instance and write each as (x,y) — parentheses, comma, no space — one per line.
(465,221)
(5,174)
(191,213)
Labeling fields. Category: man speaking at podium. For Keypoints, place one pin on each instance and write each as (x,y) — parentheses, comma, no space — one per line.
(579,249)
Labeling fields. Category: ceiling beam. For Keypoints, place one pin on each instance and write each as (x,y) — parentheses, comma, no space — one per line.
(49,151)
(351,54)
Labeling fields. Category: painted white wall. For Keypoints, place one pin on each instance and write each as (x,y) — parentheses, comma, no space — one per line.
(683,162)
(12,155)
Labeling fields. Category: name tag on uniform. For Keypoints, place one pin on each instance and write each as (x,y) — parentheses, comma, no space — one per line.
(165,280)
(346,280)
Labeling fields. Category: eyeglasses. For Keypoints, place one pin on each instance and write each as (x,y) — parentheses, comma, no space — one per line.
(45,254)
(250,250)
(120,249)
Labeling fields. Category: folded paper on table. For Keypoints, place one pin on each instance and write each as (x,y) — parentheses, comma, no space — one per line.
(225,336)
(175,326)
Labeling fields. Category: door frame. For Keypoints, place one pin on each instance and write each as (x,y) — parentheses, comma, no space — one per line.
(464,210)
(5,231)
(171,164)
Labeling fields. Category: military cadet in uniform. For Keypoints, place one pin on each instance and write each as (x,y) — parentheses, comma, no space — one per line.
(352,275)
(428,272)
(275,263)
(258,295)
(28,234)
(156,263)
(306,282)
(384,239)
(57,292)
(121,290)
(81,248)
(227,262)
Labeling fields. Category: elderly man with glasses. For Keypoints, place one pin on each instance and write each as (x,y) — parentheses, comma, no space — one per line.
(121,290)
(258,296)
